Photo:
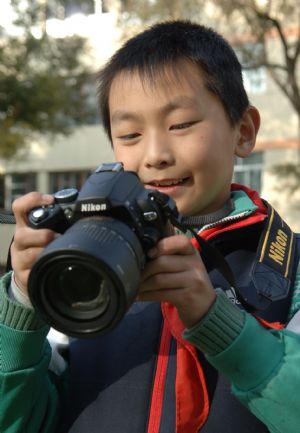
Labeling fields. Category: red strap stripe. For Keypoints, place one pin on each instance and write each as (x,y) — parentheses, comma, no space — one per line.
(192,402)
(269,325)
(159,381)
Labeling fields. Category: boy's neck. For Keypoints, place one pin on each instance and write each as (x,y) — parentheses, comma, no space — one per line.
(210,218)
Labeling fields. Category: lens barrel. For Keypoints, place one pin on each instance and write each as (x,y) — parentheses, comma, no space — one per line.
(85,280)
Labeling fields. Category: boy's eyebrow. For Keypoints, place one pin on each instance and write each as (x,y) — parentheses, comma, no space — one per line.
(120,115)
(178,102)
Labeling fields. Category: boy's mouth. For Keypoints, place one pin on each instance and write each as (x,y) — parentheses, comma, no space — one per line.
(166,183)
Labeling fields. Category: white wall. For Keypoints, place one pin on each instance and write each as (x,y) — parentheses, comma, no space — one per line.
(275,188)
(87,147)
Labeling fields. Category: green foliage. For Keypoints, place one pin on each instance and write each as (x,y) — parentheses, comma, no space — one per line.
(44,82)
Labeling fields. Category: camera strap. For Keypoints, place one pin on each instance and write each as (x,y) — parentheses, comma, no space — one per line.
(212,258)
(210,255)
(7,218)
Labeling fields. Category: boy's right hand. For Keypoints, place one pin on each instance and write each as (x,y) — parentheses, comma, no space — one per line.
(28,242)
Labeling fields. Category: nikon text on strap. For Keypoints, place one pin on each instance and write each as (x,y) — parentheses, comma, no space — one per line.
(263,258)
(273,269)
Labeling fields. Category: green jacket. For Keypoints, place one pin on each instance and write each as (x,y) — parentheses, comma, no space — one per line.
(262,365)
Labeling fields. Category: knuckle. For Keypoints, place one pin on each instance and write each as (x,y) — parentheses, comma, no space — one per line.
(19,202)
(16,205)
(184,243)
(26,202)
(18,241)
(31,255)
(47,236)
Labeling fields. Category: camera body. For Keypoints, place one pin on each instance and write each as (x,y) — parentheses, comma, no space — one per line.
(112,192)
(85,280)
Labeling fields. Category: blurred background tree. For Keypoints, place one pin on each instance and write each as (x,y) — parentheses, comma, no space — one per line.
(43,79)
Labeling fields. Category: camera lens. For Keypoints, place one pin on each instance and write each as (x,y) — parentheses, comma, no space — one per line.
(84,281)
(78,289)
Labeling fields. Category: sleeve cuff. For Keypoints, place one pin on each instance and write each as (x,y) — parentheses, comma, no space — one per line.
(219,328)
(14,314)
(236,344)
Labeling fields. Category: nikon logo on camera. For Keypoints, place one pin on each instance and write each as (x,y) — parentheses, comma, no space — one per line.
(93,207)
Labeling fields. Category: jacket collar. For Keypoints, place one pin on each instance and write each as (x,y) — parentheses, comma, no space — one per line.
(248,209)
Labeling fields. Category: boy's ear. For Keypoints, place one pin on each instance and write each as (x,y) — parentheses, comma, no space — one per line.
(248,129)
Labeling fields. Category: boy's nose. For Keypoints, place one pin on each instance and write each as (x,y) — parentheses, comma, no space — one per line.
(158,153)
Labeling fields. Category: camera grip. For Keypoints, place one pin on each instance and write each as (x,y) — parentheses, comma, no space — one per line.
(47,217)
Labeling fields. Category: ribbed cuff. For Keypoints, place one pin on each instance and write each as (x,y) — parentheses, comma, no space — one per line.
(219,328)
(16,294)
(13,314)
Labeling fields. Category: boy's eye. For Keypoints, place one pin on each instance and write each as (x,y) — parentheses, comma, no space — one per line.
(184,125)
(129,136)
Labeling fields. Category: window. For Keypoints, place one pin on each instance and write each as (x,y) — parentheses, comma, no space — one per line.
(251,55)
(248,171)
(255,80)
(20,184)
(71,179)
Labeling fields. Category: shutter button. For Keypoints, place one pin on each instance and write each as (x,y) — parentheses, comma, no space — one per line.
(39,214)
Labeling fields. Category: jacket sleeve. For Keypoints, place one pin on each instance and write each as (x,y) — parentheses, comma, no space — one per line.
(28,395)
(262,365)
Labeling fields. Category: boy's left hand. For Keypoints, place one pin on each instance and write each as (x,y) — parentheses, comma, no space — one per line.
(176,274)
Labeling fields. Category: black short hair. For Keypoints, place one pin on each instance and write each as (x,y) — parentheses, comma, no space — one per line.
(165,44)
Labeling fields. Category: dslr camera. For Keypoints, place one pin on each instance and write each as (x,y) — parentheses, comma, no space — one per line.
(85,280)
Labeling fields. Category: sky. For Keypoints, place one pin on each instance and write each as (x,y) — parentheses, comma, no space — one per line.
(6,14)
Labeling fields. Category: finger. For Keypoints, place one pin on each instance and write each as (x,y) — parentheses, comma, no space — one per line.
(191,306)
(165,264)
(23,205)
(25,260)
(177,244)
(165,295)
(173,264)
(171,287)
(163,281)
(193,275)
(26,237)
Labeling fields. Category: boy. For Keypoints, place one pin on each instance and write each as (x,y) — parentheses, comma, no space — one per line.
(173,104)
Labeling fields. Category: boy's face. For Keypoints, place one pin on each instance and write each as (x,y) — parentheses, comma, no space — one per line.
(176,136)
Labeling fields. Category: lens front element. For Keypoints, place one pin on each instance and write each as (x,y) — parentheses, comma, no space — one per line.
(84,281)
(80,291)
